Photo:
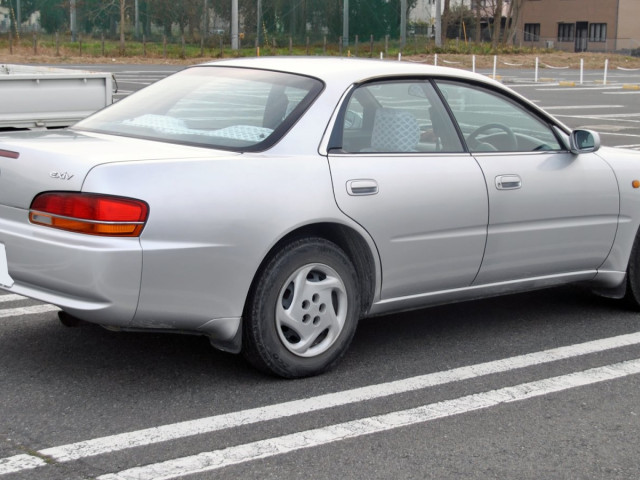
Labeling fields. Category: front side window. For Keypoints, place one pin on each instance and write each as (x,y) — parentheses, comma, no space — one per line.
(397,117)
(228,108)
(491,122)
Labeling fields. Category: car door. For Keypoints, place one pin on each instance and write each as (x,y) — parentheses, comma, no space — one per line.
(551,212)
(400,170)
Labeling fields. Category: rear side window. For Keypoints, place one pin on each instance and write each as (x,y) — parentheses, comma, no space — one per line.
(228,108)
(399,116)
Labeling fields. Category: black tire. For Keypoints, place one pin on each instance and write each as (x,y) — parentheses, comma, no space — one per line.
(632,295)
(303,311)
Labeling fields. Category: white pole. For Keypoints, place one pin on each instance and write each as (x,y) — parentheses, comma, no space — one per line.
(234,25)
(438,24)
(72,20)
(535,79)
(495,65)
(259,23)
(136,14)
(473,64)
(403,23)
(400,56)
(435,59)
(581,71)
(606,67)
(19,20)
(345,23)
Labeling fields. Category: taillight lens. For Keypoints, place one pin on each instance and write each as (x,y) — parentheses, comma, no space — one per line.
(90,213)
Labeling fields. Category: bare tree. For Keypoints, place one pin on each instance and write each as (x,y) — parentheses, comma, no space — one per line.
(446,18)
(478,12)
(492,12)
(513,17)
(497,21)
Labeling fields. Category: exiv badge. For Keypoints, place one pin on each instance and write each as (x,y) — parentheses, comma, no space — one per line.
(61,175)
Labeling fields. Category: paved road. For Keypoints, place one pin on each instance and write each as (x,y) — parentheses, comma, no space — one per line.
(531,386)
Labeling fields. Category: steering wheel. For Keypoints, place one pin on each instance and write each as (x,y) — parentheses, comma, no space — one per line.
(512,143)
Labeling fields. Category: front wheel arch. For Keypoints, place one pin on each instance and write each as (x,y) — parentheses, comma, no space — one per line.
(632,293)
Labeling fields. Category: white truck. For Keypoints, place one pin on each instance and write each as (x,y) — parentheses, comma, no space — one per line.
(45,97)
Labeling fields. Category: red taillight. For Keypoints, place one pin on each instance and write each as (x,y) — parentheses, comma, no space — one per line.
(90,213)
(9,154)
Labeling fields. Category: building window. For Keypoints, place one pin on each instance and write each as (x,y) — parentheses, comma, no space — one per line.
(598,32)
(531,32)
(565,32)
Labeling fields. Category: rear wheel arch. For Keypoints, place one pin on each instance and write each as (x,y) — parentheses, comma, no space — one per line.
(348,240)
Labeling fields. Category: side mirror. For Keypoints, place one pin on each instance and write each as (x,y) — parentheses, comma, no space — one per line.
(584,141)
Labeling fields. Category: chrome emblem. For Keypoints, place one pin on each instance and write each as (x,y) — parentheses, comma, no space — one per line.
(61,175)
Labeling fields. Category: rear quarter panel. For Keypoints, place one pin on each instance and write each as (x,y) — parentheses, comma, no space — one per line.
(211,223)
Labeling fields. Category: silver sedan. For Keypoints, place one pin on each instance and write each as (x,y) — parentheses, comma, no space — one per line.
(272,203)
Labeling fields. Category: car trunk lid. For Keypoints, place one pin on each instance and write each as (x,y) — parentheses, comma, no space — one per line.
(35,162)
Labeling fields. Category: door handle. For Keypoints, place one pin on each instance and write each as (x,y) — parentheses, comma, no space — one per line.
(508,182)
(362,187)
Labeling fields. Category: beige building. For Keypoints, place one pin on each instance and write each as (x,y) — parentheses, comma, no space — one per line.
(581,25)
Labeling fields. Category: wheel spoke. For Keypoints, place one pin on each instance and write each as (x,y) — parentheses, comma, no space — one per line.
(312,310)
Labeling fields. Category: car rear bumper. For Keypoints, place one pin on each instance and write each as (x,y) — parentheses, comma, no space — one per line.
(96,279)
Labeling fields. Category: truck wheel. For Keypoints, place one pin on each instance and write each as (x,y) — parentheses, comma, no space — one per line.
(303,311)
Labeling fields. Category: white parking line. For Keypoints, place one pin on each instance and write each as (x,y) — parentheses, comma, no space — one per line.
(582,107)
(612,116)
(134,82)
(11,298)
(601,117)
(15,312)
(18,463)
(217,459)
(123,441)
(578,89)
(616,134)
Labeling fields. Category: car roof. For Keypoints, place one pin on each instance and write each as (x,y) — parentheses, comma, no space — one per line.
(348,70)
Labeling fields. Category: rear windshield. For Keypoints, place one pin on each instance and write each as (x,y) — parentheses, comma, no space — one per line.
(220,107)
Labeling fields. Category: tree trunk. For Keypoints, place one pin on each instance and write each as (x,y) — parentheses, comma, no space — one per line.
(497,20)
(515,8)
(446,15)
(478,32)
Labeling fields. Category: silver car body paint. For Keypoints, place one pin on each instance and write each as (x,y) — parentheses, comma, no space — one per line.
(215,215)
